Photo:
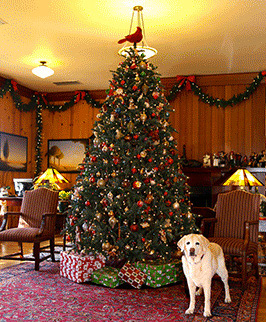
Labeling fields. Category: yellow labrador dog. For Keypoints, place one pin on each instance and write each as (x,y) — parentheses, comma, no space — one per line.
(201,260)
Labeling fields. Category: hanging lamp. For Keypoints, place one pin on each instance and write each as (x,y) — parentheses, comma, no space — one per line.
(142,47)
(42,71)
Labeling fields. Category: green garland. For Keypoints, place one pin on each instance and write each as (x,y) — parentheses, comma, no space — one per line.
(38,102)
(218,102)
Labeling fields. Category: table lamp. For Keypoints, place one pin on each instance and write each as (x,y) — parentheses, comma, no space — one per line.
(51,177)
(242,178)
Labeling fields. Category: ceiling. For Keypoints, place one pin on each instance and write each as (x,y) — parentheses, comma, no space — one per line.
(78,38)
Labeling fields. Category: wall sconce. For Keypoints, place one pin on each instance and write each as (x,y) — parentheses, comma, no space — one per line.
(42,71)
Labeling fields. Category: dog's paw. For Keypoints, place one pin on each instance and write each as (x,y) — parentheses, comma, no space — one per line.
(227,300)
(189,311)
(207,314)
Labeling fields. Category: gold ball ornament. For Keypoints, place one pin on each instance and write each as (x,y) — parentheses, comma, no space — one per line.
(142,65)
(106,246)
(101,183)
(143,117)
(176,205)
(143,154)
(112,221)
(98,216)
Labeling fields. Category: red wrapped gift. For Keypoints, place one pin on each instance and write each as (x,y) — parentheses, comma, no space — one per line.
(79,268)
(132,275)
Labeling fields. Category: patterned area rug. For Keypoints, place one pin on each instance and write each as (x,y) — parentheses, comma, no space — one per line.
(27,295)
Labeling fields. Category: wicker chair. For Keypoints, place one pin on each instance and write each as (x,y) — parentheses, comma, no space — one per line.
(236,229)
(38,211)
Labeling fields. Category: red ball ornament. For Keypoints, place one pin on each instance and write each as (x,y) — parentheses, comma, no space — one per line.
(135,88)
(155,95)
(143,240)
(122,82)
(136,136)
(116,160)
(171,213)
(168,203)
(138,156)
(93,158)
(87,203)
(165,193)
(92,179)
(170,161)
(150,160)
(147,209)
(133,66)
(140,203)
(134,227)
(134,170)
(136,184)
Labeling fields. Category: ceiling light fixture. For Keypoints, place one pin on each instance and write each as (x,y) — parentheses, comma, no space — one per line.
(42,71)
(143,48)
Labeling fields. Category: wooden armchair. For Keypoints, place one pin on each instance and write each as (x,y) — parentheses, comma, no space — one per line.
(236,228)
(38,211)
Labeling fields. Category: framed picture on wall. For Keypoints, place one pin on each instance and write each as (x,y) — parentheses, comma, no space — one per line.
(66,155)
(13,152)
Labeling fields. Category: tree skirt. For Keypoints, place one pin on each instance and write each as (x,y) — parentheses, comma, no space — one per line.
(27,295)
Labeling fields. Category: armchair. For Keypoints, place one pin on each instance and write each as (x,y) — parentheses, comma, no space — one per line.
(236,228)
(38,211)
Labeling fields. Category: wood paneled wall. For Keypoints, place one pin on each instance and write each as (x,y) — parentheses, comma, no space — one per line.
(202,128)
(15,122)
(208,129)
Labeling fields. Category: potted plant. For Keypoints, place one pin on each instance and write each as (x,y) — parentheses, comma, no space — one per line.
(63,200)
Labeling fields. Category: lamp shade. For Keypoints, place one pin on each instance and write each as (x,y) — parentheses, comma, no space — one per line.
(52,176)
(42,71)
(242,177)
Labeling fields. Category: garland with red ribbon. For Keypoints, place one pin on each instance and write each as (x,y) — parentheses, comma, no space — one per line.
(188,82)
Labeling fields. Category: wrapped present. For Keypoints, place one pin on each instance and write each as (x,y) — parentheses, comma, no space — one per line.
(131,275)
(107,276)
(160,274)
(79,268)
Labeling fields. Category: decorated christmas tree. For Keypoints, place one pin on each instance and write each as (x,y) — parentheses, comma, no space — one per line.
(131,199)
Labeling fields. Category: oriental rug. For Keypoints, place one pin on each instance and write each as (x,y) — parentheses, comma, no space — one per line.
(27,295)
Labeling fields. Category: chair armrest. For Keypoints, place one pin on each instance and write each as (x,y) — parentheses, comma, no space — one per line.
(6,215)
(203,214)
(43,222)
(207,226)
(247,229)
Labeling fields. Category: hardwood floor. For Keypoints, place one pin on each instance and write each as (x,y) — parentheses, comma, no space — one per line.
(7,248)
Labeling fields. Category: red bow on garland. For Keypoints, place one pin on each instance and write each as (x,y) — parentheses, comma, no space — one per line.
(263,73)
(80,95)
(187,80)
(14,84)
(42,95)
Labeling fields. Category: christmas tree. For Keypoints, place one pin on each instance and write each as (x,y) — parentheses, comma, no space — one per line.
(131,199)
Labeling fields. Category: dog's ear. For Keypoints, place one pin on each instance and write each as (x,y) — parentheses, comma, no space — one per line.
(205,242)
(181,243)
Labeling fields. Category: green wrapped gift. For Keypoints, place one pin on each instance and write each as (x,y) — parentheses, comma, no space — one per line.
(107,276)
(160,274)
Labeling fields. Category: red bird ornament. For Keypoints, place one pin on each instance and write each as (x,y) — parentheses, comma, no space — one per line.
(134,38)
